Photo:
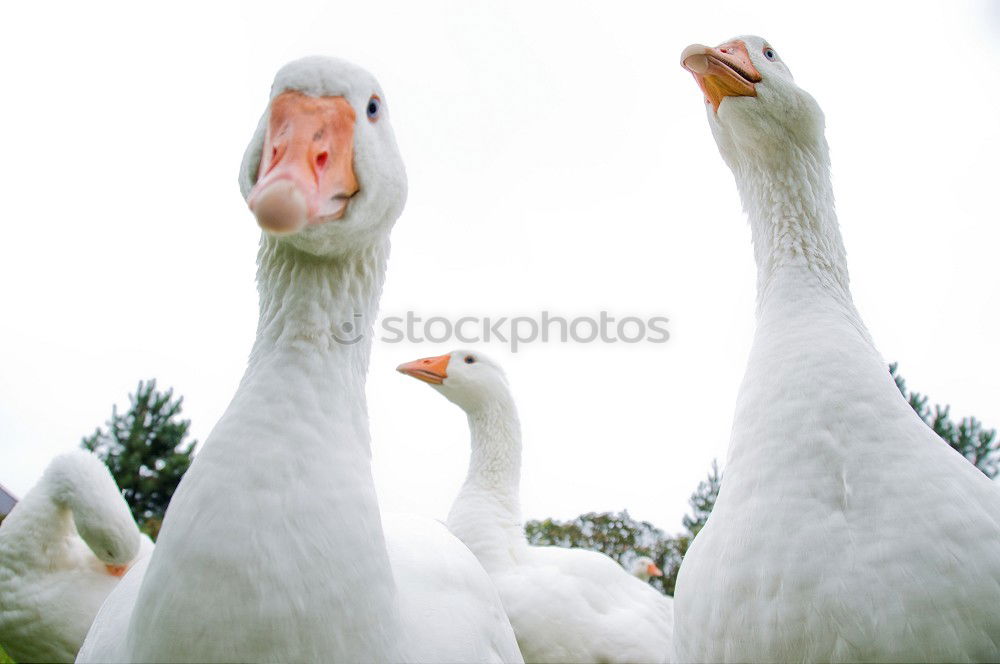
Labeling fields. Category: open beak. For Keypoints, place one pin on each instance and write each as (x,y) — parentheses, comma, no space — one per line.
(723,71)
(306,174)
(431,370)
(117,570)
(653,570)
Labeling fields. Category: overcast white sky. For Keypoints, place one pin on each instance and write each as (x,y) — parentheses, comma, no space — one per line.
(558,159)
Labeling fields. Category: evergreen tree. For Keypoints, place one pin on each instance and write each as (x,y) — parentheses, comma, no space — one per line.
(145,451)
(980,446)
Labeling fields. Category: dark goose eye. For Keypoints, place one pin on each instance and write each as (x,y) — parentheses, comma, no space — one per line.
(770,54)
(469,359)
(374,104)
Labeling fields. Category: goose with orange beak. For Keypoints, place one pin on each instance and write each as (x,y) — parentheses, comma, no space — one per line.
(274,547)
(644,568)
(835,536)
(566,605)
(723,71)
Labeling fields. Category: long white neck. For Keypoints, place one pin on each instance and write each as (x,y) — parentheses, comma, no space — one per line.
(797,243)
(486,515)
(285,478)
(811,348)
(38,527)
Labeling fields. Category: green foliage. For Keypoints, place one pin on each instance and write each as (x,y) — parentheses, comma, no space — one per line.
(5,658)
(703,501)
(980,446)
(615,535)
(145,451)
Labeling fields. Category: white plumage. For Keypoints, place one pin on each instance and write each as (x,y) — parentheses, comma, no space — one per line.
(845,530)
(62,550)
(566,605)
(273,547)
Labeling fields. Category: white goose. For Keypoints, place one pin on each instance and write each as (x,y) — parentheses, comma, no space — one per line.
(566,605)
(62,550)
(273,547)
(846,530)
(644,568)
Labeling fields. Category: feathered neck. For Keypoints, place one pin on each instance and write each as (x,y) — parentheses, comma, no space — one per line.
(323,305)
(290,457)
(495,461)
(39,527)
(788,197)
(486,514)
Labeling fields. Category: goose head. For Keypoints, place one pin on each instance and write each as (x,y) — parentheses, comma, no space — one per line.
(323,172)
(111,534)
(643,567)
(467,378)
(78,481)
(753,104)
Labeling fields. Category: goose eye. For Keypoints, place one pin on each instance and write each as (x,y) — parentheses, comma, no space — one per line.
(374,104)
(469,359)
(770,54)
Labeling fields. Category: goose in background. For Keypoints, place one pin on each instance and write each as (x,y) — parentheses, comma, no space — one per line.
(644,568)
(62,551)
(273,547)
(566,605)
(846,530)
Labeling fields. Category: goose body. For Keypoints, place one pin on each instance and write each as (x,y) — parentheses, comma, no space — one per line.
(63,549)
(845,530)
(566,605)
(273,548)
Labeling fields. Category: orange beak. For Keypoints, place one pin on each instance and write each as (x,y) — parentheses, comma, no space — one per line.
(429,369)
(723,71)
(653,570)
(306,174)
(117,570)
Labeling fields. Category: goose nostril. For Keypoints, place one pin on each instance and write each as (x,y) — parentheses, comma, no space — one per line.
(321,159)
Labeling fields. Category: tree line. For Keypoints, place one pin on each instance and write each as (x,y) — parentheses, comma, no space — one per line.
(147,451)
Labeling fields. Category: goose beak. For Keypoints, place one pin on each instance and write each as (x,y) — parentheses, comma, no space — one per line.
(653,570)
(723,71)
(306,174)
(431,370)
(117,570)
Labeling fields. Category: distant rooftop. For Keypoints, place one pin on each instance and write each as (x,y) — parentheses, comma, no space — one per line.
(7,500)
